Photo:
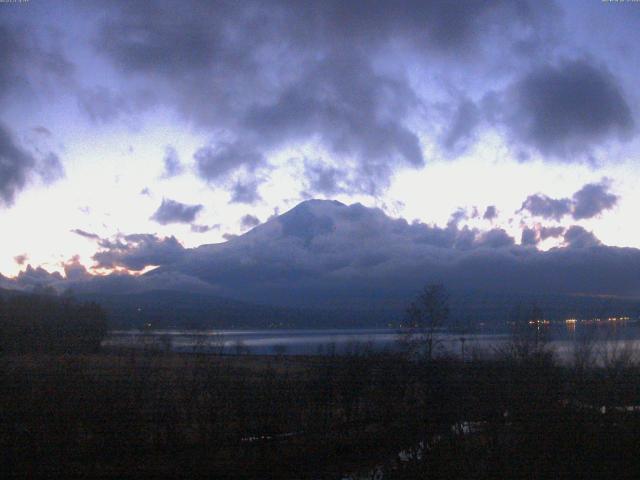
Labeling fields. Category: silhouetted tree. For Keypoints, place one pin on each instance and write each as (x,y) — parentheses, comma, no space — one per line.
(529,333)
(426,315)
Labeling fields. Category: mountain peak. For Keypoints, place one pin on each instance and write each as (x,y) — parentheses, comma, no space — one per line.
(317,205)
(310,218)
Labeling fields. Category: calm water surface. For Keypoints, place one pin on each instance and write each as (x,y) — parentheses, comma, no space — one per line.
(340,341)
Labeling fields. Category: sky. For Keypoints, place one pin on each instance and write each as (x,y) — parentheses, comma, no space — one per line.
(163,126)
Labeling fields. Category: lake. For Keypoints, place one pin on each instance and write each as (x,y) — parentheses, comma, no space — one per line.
(606,342)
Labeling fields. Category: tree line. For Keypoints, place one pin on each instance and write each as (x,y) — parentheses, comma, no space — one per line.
(43,322)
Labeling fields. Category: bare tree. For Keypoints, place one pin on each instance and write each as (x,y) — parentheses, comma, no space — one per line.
(426,315)
(529,334)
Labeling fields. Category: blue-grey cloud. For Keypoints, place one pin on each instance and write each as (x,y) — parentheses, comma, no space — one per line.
(85,234)
(249,221)
(324,179)
(577,237)
(41,130)
(172,164)
(204,228)
(590,201)
(137,251)
(103,105)
(74,271)
(564,110)
(593,199)
(543,206)
(18,167)
(246,191)
(495,238)
(490,213)
(529,236)
(550,232)
(539,233)
(462,128)
(171,211)
(33,278)
(216,163)
(458,216)
(50,168)
(328,72)
(29,65)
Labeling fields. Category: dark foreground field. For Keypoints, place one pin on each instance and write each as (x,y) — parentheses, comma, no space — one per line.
(136,414)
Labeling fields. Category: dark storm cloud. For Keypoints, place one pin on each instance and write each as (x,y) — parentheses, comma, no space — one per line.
(355,112)
(461,131)
(539,233)
(591,200)
(172,165)
(312,72)
(327,179)
(137,251)
(564,110)
(550,232)
(27,67)
(171,211)
(18,167)
(246,191)
(578,237)
(102,104)
(249,221)
(324,179)
(27,70)
(215,163)
(546,207)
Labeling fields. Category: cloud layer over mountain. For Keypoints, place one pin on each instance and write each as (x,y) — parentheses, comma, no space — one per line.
(326,253)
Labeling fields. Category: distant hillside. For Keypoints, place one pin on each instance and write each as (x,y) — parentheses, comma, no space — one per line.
(471,308)
(174,309)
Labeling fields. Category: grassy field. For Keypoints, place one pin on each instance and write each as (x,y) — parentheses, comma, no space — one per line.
(140,414)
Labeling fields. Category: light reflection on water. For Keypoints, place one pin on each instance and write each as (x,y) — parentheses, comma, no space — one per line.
(322,342)
(268,341)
